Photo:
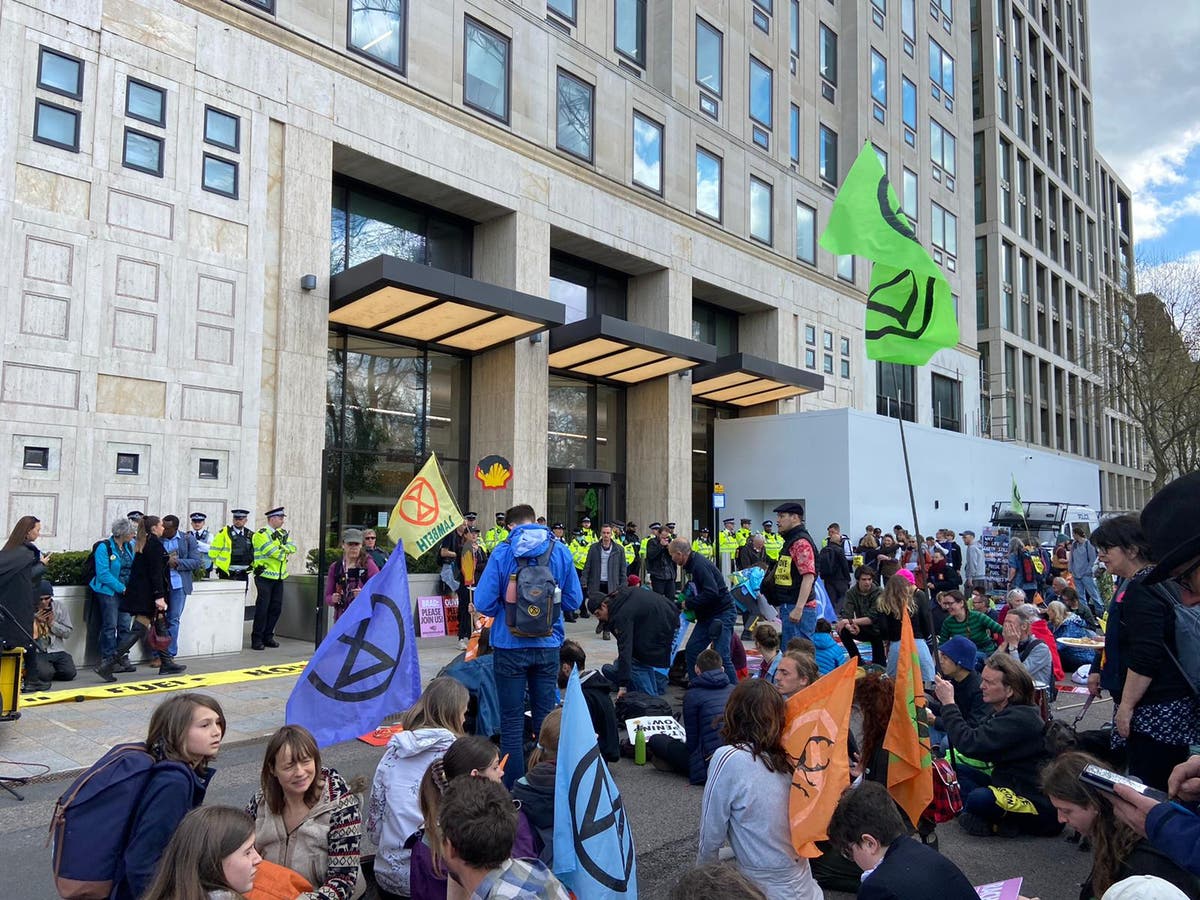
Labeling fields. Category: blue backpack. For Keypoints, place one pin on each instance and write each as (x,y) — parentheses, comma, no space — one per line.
(91,821)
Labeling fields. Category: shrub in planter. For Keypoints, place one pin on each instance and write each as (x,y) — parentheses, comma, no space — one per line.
(66,567)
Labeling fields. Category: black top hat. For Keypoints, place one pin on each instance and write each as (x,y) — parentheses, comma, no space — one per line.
(1171,527)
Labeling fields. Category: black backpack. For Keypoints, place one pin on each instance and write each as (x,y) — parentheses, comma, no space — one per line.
(636,704)
(88,569)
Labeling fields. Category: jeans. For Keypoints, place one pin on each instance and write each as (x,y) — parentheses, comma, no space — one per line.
(923,654)
(175,604)
(114,624)
(805,628)
(717,631)
(1086,585)
(980,801)
(641,678)
(525,668)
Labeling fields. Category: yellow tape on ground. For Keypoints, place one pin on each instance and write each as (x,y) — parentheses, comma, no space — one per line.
(158,685)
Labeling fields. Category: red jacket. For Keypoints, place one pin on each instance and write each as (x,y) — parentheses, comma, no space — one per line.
(1041,631)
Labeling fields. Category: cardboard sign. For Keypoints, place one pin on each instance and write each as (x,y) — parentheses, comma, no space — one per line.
(1000,890)
(450,614)
(432,616)
(655,725)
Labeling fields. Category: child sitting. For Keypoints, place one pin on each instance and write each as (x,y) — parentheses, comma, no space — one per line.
(703,712)
(830,654)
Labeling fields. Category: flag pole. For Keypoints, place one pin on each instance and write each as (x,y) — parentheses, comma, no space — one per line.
(912,500)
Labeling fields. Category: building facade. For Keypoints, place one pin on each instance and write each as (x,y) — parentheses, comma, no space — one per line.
(1053,245)
(268,252)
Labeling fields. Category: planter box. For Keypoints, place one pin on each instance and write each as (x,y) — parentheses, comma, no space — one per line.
(298,620)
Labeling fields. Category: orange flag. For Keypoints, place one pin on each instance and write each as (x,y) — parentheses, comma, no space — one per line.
(910,764)
(817,736)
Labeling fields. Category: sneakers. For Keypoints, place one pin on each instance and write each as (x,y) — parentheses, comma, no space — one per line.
(462,643)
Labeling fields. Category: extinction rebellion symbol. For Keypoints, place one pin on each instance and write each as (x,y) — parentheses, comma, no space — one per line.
(596,808)
(419,505)
(371,679)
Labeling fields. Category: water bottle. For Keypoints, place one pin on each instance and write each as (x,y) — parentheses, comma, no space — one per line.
(639,746)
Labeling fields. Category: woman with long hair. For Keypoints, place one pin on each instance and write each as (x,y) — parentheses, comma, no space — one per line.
(306,817)
(1155,715)
(1118,852)
(431,725)
(900,595)
(145,595)
(211,856)
(184,736)
(535,789)
(746,797)
(1065,624)
(22,566)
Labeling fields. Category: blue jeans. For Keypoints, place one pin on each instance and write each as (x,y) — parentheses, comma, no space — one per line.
(717,631)
(923,654)
(175,604)
(805,628)
(526,668)
(114,624)
(1088,590)
(641,678)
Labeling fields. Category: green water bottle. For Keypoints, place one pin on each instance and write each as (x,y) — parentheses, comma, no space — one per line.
(639,746)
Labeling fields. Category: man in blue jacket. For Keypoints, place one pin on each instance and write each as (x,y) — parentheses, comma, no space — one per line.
(522,663)
(708,597)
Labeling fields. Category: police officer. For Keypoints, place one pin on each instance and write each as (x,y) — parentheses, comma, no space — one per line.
(272,547)
(585,526)
(795,574)
(651,535)
(631,539)
(496,535)
(232,550)
(203,542)
(671,528)
(629,550)
(703,544)
(772,541)
(743,533)
(579,549)
(558,530)
(727,541)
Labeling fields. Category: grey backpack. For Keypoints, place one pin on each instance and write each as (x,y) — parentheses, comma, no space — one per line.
(534,609)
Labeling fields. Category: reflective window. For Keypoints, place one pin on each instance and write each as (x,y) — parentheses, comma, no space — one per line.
(760,210)
(715,326)
(142,152)
(708,184)
(942,147)
(845,268)
(565,8)
(794,133)
(806,233)
(222,129)
(60,73)
(878,78)
(56,125)
(795,28)
(908,19)
(378,29)
(647,153)
(145,102)
(761,93)
(708,57)
(585,425)
(908,199)
(941,69)
(828,55)
(909,98)
(828,163)
(485,86)
(575,104)
(220,176)
(944,230)
(587,289)
(631,30)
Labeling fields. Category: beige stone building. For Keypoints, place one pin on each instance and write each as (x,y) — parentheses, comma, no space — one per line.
(269,252)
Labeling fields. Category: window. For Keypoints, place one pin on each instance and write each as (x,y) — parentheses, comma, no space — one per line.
(881,155)
(587,289)
(844,346)
(761,14)
(709,56)
(56,125)
(631,30)
(220,176)
(575,106)
(222,129)
(59,73)
(895,391)
(829,55)
(715,326)
(210,468)
(878,11)
(810,358)
(485,60)
(806,234)
(794,133)
(941,72)
(828,163)
(708,184)
(378,29)
(845,363)
(128,463)
(761,100)
(908,92)
(142,152)
(145,102)
(908,24)
(827,340)
(795,28)
(36,458)
(947,403)
(760,210)
(878,86)
(845,268)
(565,8)
(944,230)
(647,153)
(827,363)
(908,199)
(942,149)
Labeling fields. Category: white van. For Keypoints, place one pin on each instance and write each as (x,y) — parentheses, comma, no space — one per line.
(1045,520)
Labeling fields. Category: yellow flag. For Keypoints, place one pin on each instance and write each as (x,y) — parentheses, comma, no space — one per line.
(817,737)
(426,511)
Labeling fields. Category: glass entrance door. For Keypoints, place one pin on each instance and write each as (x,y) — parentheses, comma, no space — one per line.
(574,493)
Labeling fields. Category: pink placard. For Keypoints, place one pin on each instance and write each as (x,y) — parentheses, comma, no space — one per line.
(432,616)
(1000,890)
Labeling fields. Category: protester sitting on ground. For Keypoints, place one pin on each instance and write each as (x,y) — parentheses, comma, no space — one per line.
(471,756)
(307,818)
(981,602)
(478,825)
(349,573)
(867,827)
(1118,851)
(184,736)
(1010,739)
(830,654)
(1143,887)
(1018,642)
(113,559)
(645,624)
(1066,624)
(801,645)
(1014,598)
(715,881)
(980,628)
(942,576)
(746,797)
(535,789)
(703,712)
(210,856)
(1070,599)
(796,671)
(956,660)
(597,693)
(51,628)
(857,622)
(901,594)
(766,638)
(737,656)
(431,725)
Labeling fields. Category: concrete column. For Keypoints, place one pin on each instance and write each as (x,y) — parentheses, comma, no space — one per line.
(510,384)
(658,458)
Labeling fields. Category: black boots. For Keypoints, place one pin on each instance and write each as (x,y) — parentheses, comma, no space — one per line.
(105,670)
(168,667)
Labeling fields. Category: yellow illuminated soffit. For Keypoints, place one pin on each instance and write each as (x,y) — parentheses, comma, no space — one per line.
(721,381)
(782,393)
(380,306)
(618,362)
(489,334)
(430,324)
(654,370)
(588,350)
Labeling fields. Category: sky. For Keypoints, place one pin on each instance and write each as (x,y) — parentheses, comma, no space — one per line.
(1146,96)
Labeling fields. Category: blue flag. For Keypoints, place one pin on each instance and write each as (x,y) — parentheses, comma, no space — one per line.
(366,668)
(593,843)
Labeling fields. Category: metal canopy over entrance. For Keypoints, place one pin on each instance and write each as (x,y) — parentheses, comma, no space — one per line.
(610,348)
(740,379)
(430,306)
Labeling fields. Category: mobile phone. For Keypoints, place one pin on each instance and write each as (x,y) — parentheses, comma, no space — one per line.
(1105,780)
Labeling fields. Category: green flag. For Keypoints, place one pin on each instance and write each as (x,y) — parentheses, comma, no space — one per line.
(1015,504)
(910,313)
